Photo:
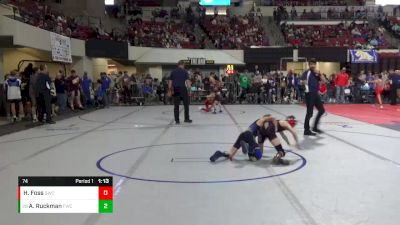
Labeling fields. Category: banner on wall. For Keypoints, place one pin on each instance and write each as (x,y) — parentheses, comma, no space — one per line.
(198,61)
(363,56)
(60,48)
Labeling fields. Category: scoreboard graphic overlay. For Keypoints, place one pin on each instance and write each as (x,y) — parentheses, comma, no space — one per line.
(65,194)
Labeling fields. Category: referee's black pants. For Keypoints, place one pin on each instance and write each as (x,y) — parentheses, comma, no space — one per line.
(313,99)
(393,95)
(181,95)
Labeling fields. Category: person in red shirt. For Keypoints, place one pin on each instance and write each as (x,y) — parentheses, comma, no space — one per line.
(73,84)
(341,82)
(323,90)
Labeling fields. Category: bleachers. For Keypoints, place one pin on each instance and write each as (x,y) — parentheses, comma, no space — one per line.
(40,15)
(167,34)
(392,24)
(309,2)
(332,35)
(234,32)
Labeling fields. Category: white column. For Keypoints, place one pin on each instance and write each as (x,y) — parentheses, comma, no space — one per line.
(295,55)
(156,72)
(99,65)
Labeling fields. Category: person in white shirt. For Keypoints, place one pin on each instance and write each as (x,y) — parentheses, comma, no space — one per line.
(13,87)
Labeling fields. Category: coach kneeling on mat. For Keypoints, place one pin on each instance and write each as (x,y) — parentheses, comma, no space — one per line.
(178,88)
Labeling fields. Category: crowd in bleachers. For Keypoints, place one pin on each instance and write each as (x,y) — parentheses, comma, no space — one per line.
(38,14)
(345,34)
(308,2)
(324,13)
(176,28)
(166,34)
(392,24)
(235,32)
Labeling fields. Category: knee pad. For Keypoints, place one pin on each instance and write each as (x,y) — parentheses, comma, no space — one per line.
(257,154)
(244,146)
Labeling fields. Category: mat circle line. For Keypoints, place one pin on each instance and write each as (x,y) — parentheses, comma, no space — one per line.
(100,167)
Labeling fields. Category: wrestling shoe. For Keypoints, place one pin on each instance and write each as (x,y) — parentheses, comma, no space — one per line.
(309,133)
(318,131)
(279,161)
(217,155)
(252,158)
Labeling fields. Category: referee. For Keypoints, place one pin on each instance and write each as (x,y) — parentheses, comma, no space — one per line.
(311,80)
(394,79)
(178,88)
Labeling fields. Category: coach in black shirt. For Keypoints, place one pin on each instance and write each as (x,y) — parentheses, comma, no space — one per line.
(178,88)
(311,80)
(394,79)
(42,88)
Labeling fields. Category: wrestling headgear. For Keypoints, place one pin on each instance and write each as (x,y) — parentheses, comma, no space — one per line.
(291,120)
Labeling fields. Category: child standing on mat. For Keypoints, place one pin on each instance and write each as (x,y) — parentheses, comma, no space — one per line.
(379,87)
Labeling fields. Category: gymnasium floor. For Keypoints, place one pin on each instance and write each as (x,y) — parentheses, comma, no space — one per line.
(348,176)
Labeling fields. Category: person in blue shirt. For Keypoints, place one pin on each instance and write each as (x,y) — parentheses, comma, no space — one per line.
(178,85)
(394,79)
(290,82)
(370,80)
(296,85)
(312,80)
(106,89)
(99,95)
(86,87)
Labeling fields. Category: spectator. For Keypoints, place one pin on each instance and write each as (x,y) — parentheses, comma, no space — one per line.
(42,89)
(126,85)
(370,80)
(356,32)
(60,86)
(297,87)
(99,95)
(13,90)
(245,84)
(74,85)
(332,88)
(341,82)
(25,79)
(32,94)
(106,86)
(207,83)
(290,81)
(86,89)
(54,105)
(323,90)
